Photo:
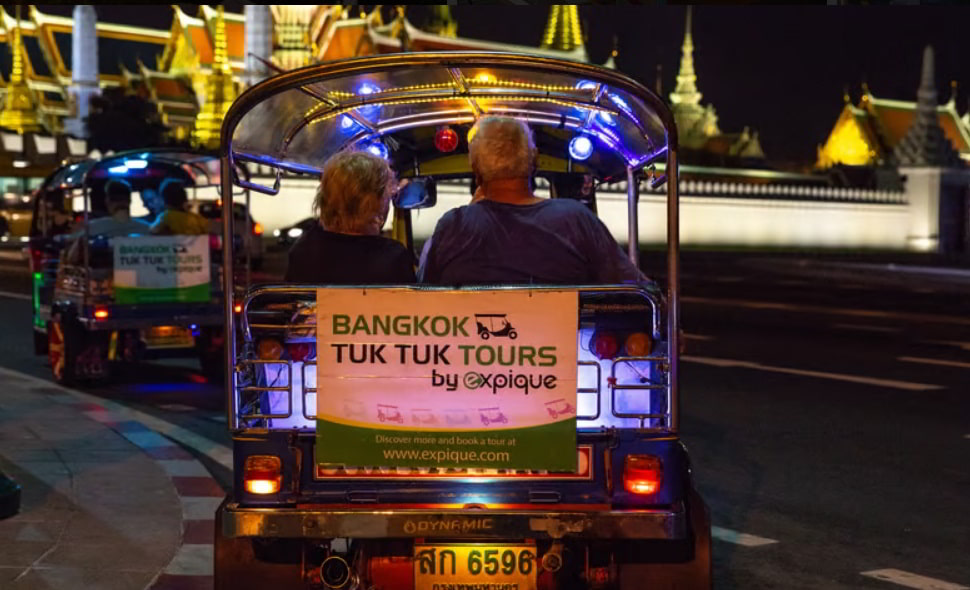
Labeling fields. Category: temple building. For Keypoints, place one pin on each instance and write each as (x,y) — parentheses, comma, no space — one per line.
(701,139)
(868,133)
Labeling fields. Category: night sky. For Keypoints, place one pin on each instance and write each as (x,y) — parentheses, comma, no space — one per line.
(780,70)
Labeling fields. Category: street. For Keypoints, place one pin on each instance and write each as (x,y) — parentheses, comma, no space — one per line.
(828,421)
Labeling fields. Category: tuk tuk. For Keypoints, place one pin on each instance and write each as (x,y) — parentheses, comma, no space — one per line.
(562,468)
(100,301)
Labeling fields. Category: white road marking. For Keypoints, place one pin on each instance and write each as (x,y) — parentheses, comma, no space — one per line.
(862,328)
(13,295)
(963,345)
(738,538)
(865,313)
(702,337)
(192,560)
(221,454)
(912,580)
(940,362)
(733,363)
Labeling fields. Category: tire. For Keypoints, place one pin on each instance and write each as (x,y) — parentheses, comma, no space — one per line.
(484,335)
(63,345)
(40,343)
(513,335)
(238,567)
(694,571)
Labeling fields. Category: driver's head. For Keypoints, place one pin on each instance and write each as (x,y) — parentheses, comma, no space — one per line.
(501,148)
(174,195)
(355,193)
(117,196)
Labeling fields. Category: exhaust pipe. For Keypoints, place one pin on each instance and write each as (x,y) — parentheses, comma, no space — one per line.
(336,574)
(552,559)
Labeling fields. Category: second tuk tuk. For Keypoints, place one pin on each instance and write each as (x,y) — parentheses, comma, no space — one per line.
(562,468)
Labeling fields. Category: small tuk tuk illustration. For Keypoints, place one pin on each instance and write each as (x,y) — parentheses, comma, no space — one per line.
(559,407)
(423,416)
(387,413)
(492,416)
(494,324)
(456,417)
(354,409)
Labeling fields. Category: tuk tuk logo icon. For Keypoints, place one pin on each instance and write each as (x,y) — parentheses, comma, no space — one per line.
(387,413)
(354,409)
(494,324)
(423,416)
(492,416)
(560,407)
(453,417)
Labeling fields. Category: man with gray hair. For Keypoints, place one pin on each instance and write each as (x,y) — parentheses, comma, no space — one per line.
(508,235)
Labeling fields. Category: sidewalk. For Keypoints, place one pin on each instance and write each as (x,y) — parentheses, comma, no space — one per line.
(107,503)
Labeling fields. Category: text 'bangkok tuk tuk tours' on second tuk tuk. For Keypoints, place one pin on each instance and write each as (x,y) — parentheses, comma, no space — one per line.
(419,460)
(106,291)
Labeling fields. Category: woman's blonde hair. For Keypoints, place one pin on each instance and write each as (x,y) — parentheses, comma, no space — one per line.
(501,147)
(355,192)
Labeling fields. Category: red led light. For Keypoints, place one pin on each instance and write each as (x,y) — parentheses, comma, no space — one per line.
(642,474)
(101,314)
(237,308)
(299,350)
(445,140)
(604,345)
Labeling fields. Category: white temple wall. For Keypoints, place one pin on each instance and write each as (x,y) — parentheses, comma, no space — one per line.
(705,219)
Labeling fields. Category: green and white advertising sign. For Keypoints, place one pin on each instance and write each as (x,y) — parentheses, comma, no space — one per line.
(444,379)
(161,269)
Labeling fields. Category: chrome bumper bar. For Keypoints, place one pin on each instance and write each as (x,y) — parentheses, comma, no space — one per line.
(451,524)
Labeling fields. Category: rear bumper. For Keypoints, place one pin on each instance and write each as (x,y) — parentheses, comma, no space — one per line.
(452,524)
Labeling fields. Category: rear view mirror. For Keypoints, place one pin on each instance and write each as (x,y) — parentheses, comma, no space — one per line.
(421,192)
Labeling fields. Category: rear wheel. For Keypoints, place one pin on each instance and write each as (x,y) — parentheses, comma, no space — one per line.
(239,566)
(690,570)
(63,343)
(40,343)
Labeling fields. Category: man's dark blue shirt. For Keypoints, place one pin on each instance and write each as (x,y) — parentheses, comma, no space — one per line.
(551,242)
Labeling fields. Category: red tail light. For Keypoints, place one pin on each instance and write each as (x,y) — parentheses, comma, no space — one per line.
(603,344)
(101,313)
(263,474)
(257,229)
(237,308)
(299,350)
(642,474)
(215,242)
(36,259)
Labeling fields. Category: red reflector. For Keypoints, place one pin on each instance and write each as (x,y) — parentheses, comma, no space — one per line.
(642,474)
(445,140)
(299,351)
(262,474)
(603,345)
(101,314)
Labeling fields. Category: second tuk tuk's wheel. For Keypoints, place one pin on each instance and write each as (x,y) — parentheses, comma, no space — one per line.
(513,334)
(484,335)
(63,345)
(40,343)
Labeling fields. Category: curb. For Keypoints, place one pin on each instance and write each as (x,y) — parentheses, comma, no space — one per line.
(200,494)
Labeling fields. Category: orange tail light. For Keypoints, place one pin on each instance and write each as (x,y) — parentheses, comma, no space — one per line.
(642,474)
(263,474)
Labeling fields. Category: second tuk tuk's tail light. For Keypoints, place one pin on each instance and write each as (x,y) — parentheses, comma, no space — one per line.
(263,474)
(638,344)
(603,344)
(101,313)
(257,229)
(642,474)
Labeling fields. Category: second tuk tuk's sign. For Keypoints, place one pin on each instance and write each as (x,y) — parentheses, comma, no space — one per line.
(161,269)
(447,379)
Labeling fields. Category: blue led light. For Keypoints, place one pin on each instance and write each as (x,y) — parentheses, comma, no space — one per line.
(378,149)
(347,122)
(367,88)
(586,85)
(118,169)
(136,164)
(580,147)
(606,118)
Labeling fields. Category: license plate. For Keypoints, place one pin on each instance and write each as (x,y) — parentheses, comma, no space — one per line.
(168,337)
(489,567)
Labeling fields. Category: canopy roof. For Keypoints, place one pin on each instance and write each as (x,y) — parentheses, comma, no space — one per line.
(297,120)
(201,169)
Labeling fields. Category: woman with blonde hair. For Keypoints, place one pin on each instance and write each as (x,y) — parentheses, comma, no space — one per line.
(345,247)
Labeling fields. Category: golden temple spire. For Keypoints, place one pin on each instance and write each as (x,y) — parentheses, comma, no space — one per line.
(686,90)
(18,112)
(220,90)
(563,31)
(442,23)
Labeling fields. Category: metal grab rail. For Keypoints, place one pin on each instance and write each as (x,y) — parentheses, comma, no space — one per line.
(658,364)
